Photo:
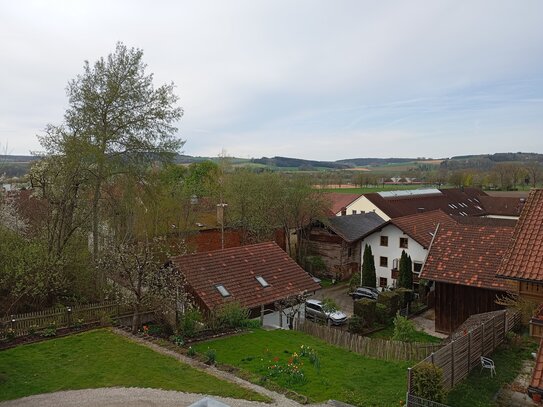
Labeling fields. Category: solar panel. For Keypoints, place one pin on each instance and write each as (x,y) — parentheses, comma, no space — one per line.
(410,192)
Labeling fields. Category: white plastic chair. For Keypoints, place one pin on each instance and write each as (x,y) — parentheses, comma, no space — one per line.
(487,363)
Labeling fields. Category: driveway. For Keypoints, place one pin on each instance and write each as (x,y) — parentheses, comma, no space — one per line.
(340,294)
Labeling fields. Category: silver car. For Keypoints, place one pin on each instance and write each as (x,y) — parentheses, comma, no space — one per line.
(314,311)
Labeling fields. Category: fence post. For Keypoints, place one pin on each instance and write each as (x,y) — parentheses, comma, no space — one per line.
(262,315)
(13,322)
(505,321)
(69,316)
(432,358)
(409,379)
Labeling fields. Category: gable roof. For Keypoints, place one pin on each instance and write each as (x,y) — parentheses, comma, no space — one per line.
(502,206)
(421,226)
(524,258)
(461,202)
(468,255)
(237,268)
(354,227)
(338,201)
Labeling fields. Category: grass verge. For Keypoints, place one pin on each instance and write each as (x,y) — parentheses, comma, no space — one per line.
(341,375)
(102,359)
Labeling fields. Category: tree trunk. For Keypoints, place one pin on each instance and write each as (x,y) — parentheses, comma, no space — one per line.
(136,319)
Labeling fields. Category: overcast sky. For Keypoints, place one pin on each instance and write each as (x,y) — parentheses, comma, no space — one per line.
(310,79)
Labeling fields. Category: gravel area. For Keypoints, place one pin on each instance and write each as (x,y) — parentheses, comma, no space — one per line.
(120,397)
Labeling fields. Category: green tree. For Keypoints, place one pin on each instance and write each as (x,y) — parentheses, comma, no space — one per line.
(369,278)
(121,121)
(405,278)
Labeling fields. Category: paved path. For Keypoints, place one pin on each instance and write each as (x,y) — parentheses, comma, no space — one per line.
(123,397)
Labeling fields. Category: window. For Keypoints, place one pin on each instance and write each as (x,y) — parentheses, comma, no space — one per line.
(224,292)
(262,282)
(383,282)
(403,243)
(354,211)
(384,240)
(349,252)
(383,261)
(417,267)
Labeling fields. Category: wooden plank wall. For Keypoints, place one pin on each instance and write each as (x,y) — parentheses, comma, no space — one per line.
(463,354)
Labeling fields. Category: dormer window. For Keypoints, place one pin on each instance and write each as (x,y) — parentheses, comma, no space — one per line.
(262,282)
(222,290)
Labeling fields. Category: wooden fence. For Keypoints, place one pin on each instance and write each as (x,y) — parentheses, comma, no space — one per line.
(462,354)
(363,345)
(23,324)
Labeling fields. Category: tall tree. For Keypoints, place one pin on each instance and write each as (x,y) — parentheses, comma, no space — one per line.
(405,278)
(369,278)
(121,120)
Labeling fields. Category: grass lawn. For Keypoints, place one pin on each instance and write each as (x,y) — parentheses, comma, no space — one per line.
(343,375)
(101,359)
(478,389)
(419,336)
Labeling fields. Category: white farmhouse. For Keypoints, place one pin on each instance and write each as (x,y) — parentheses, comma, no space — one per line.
(412,233)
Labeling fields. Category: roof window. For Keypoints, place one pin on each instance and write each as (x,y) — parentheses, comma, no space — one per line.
(262,282)
(222,290)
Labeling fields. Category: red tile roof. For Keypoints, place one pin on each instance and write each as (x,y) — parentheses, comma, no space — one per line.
(502,206)
(422,226)
(451,201)
(237,268)
(524,258)
(468,255)
(337,201)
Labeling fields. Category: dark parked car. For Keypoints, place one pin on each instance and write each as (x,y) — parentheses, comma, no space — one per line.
(313,310)
(365,292)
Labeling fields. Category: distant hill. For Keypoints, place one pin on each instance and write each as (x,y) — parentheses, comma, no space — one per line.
(363,162)
(299,163)
(487,161)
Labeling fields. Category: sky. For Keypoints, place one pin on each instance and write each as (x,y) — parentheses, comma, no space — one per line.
(322,80)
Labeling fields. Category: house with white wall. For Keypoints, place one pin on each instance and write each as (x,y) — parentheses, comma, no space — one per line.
(412,233)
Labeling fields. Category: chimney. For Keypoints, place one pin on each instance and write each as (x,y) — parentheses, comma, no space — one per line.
(221,212)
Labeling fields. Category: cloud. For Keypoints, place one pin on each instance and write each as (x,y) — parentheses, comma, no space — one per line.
(313,79)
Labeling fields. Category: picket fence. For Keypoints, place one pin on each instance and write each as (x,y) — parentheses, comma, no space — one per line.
(63,317)
(363,345)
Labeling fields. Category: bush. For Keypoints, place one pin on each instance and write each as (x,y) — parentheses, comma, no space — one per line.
(10,334)
(404,329)
(191,352)
(381,314)
(32,329)
(190,322)
(427,382)
(365,308)
(391,301)
(405,296)
(50,331)
(229,316)
(356,324)
(177,339)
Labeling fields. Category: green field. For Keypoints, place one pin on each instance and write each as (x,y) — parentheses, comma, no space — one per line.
(343,375)
(101,359)
(367,190)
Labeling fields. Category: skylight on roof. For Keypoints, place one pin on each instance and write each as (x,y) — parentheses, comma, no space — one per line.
(262,282)
(222,290)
